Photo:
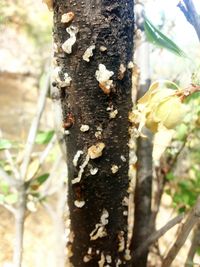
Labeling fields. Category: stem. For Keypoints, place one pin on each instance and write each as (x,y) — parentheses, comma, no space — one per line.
(156,235)
(192,219)
(19,228)
(193,248)
(191,15)
(9,179)
(34,129)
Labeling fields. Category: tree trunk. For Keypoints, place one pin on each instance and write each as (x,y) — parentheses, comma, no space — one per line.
(98,155)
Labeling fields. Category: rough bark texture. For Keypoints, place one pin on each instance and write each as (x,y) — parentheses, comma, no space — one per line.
(106,23)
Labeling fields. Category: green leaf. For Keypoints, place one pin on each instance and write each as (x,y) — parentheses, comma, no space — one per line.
(11,198)
(44,137)
(5,144)
(156,37)
(42,178)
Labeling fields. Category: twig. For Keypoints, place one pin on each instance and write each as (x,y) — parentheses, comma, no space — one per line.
(192,219)
(193,248)
(9,208)
(19,227)
(47,150)
(9,179)
(12,164)
(191,15)
(156,235)
(34,128)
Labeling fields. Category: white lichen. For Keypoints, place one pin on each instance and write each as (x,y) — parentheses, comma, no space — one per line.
(113,114)
(87,258)
(102,260)
(122,70)
(63,80)
(84,128)
(96,151)
(76,157)
(103,48)
(114,169)
(125,213)
(127,255)
(125,201)
(88,53)
(66,132)
(100,230)
(121,245)
(108,259)
(94,171)
(123,158)
(98,134)
(79,204)
(103,77)
(67,17)
(118,263)
(130,65)
(89,251)
(68,44)
(81,171)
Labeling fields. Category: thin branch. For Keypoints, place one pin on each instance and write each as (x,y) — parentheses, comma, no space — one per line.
(15,170)
(19,227)
(192,219)
(34,128)
(47,150)
(9,179)
(9,208)
(156,235)
(193,248)
(191,15)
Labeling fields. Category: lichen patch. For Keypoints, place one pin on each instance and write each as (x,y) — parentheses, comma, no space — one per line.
(76,157)
(88,53)
(100,230)
(96,151)
(79,204)
(103,77)
(68,44)
(84,128)
(67,17)
(114,168)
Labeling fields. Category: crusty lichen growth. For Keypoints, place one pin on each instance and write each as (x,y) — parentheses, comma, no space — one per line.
(103,77)
(100,230)
(76,157)
(114,168)
(67,17)
(81,170)
(79,203)
(96,151)
(121,241)
(88,53)
(122,70)
(63,79)
(68,44)
(84,128)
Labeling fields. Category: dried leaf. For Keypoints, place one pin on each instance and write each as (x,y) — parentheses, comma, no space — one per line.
(162,140)
(32,169)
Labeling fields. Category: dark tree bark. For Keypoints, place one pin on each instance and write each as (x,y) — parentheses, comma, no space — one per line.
(97,198)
